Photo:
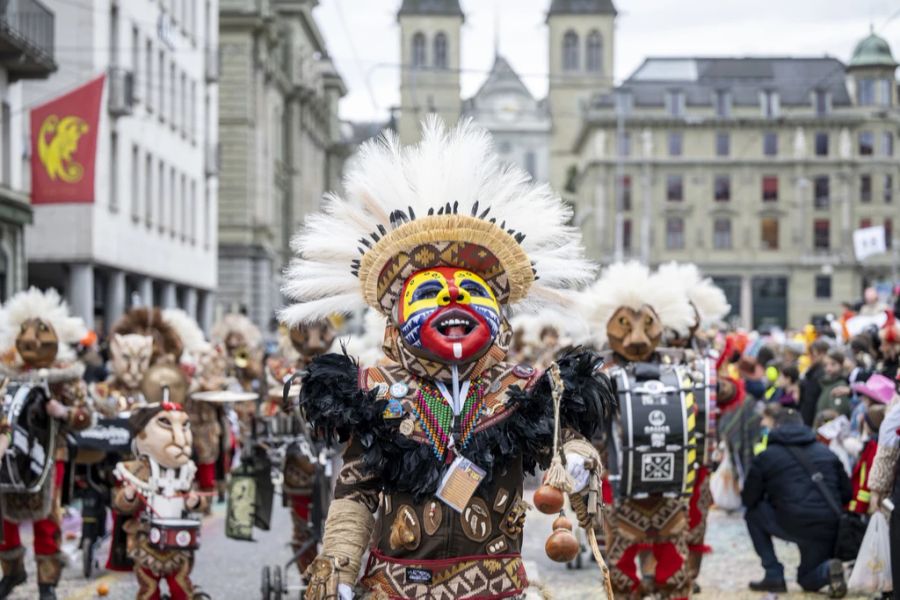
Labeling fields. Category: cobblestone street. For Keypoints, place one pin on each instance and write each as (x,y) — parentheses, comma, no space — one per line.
(227,569)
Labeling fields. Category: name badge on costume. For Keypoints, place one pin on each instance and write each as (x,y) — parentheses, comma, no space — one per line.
(459,483)
(393,409)
(417,575)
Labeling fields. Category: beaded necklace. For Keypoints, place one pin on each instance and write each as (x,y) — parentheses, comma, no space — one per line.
(437,419)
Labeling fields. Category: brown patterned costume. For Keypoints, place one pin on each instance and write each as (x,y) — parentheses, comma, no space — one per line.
(150,564)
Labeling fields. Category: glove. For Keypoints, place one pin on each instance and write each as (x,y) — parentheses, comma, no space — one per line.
(345,592)
(575,467)
(322,574)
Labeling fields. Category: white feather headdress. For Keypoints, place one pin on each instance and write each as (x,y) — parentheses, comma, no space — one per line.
(620,284)
(187,328)
(47,306)
(237,323)
(683,283)
(447,201)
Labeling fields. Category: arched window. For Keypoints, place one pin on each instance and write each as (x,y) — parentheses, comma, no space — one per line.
(594,56)
(418,50)
(570,51)
(440,51)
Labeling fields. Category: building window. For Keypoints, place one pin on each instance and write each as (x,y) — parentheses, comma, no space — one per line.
(161,195)
(770,188)
(770,104)
(884,92)
(888,232)
(148,75)
(722,188)
(136,59)
(865,188)
(440,50)
(135,183)
(887,143)
(173,98)
(626,235)
(626,192)
(821,192)
(674,233)
(531,163)
(821,143)
(770,143)
(722,234)
(723,143)
(6,166)
(823,287)
(675,143)
(768,233)
(594,57)
(822,234)
(675,103)
(821,100)
(866,143)
(161,72)
(148,189)
(674,188)
(113,172)
(888,189)
(624,144)
(173,202)
(723,104)
(185,208)
(193,212)
(418,49)
(865,92)
(570,51)
(183,92)
(207,218)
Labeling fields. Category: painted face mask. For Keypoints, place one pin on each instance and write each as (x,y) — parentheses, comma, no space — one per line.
(37,343)
(448,314)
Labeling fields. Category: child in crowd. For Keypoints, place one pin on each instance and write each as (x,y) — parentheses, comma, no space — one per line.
(860,478)
(788,387)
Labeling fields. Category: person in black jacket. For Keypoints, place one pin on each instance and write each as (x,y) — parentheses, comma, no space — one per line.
(811,384)
(782,501)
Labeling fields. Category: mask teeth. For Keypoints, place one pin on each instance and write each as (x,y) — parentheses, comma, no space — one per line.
(457,350)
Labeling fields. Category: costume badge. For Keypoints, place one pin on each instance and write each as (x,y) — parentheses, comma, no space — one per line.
(393,409)
(459,483)
(407,427)
(399,390)
(523,371)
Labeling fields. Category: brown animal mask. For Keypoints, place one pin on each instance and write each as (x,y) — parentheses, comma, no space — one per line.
(312,340)
(130,356)
(37,343)
(163,433)
(634,334)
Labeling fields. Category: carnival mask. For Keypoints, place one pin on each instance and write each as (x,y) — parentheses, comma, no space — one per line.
(212,370)
(130,355)
(634,334)
(312,340)
(37,343)
(166,438)
(448,314)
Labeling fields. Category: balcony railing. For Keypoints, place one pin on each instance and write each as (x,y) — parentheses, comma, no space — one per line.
(26,39)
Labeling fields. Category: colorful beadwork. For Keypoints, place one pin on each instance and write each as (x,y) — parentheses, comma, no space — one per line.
(437,419)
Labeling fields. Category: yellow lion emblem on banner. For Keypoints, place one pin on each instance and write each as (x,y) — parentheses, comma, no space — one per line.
(57,142)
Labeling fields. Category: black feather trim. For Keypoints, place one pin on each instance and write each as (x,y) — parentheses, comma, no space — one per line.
(335,408)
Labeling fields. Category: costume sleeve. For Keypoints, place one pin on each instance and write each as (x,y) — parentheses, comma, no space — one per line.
(881,478)
(119,501)
(74,395)
(356,482)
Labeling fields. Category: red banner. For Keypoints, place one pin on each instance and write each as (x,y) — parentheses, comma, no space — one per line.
(64,146)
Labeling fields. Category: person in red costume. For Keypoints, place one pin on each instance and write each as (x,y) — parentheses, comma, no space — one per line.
(37,335)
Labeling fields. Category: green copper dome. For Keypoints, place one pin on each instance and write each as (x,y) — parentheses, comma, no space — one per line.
(873,51)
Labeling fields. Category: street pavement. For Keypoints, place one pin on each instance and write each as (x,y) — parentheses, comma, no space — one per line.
(228,569)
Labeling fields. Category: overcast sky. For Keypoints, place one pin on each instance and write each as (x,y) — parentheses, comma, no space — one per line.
(362,36)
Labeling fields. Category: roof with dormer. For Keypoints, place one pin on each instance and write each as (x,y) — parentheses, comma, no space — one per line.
(430,7)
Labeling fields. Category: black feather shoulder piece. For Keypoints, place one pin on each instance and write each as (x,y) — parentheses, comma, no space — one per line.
(332,402)
(590,400)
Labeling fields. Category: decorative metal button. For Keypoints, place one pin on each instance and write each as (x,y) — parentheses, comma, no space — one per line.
(476,520)
(523,371)
(399,390)
(407,427)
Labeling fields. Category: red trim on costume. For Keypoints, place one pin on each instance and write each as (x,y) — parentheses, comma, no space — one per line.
(695,516)
(300,505)
(668,561)
(171,406)
(206,476)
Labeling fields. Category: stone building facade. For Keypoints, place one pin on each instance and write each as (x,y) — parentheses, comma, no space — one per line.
(149,233)
(757,169)
(281,143)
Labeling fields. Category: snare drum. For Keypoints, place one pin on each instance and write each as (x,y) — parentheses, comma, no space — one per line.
(174,534)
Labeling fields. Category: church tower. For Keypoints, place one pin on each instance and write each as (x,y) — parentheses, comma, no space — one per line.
(430,32)
(581,65)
